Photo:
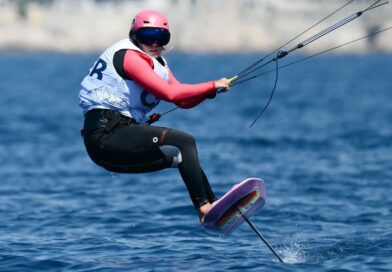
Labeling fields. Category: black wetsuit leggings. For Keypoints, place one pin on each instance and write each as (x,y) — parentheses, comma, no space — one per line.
(119,144)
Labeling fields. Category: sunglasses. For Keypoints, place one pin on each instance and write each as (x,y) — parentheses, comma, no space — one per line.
(150,36)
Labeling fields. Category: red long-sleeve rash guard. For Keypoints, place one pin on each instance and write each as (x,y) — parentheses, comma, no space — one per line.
(137,66)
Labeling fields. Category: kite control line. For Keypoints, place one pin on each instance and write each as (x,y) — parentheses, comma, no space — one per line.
(242,76)
(311,56)
(246,70)
(156,116)
(248,73)
(283,53)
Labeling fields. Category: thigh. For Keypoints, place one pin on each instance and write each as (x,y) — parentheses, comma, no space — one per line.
(135,139)
(128,149)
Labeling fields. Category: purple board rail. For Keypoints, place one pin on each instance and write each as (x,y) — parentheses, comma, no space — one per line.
(244,199)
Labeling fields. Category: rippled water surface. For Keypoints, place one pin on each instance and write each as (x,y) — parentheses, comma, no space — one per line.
(324,149)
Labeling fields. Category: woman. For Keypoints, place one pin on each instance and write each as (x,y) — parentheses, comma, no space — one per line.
(125,83)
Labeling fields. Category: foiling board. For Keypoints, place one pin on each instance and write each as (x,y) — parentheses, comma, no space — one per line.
(244,199)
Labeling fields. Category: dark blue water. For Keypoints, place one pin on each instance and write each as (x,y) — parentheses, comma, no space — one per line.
(324,149)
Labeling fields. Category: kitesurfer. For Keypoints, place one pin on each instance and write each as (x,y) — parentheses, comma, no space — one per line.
(126,82)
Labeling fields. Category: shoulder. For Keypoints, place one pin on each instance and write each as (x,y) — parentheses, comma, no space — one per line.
(133,56)
(125,60)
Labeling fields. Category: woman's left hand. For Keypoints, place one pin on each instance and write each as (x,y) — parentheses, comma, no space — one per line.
(222,83)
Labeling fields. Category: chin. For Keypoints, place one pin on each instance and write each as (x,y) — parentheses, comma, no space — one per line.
(154,55)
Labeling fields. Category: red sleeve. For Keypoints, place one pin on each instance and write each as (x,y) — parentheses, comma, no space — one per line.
(173,79)
(138,67)
(189,103)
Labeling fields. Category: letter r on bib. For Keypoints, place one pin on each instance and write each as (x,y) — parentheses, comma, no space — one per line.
(98,68)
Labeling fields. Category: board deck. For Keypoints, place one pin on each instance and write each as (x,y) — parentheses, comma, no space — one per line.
(244,199)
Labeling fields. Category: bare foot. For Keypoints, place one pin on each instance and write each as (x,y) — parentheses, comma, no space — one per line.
(203,210)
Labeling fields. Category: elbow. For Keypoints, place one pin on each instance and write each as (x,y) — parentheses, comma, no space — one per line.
(190,103)
(184,105)
(173,98)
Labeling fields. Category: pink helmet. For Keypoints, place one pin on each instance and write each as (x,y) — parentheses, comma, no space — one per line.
(149,19)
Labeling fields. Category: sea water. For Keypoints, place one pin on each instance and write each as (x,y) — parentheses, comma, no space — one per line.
(323,147)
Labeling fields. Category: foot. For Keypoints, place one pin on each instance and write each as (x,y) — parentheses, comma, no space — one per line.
(203,210)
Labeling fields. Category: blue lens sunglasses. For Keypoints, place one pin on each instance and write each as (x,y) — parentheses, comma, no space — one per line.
(150,36)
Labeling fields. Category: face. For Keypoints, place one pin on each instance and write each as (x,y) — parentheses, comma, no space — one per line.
(153,50)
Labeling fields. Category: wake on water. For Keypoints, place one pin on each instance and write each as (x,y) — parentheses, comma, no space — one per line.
(292,253)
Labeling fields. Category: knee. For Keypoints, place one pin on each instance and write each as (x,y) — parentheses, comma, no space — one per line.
(188,139)
(183,139)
